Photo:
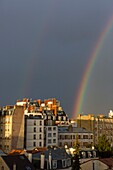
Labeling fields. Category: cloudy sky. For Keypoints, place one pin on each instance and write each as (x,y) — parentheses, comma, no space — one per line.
(45,47)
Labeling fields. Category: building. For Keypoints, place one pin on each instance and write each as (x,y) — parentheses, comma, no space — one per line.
(69,134)
(15,162)
(54,158)
(34,131)
(99,125)
(98,164)
(51,136)
(30,124)
(11,128)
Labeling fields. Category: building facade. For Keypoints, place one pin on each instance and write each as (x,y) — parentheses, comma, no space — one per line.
(99,125)
(69,135)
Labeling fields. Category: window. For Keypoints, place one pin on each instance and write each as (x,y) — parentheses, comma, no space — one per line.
(83,154)
(79,136)
(85,136)
(49,128)
(54,164)
(34,143)
(49,140)
(40,136)
(60,144)
(40,144)
(34,136)
(54,128)
(54,140)
(73,136)
(59,117)
(68,162)
(89,155)
(40,123)
(2,168)
(49,135)
(40,129)
(54,134)
(94,154)
(34,129)
(63,163)
(34,122)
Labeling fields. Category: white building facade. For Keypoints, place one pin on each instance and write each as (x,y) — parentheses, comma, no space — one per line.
(51,136)
(34,131)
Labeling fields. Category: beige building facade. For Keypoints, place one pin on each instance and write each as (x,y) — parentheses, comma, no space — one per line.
(99,125)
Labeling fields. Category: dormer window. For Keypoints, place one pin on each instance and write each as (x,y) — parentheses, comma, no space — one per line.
(64,163)
(54,164)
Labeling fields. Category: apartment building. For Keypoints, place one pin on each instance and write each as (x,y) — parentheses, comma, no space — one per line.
(11,128)
(99,125)
(34,131)
(30,124)
(51,136)
(69,134)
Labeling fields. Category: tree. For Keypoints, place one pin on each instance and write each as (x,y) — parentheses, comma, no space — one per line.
(103,146)
(75,159)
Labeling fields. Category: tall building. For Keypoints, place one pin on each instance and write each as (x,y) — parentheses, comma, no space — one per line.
(34,131)
(11,128)
(99,125)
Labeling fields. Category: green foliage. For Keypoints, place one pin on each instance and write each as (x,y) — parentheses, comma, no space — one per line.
(103,147)
(75,159)
(76,162)
(76,146)
(103,144)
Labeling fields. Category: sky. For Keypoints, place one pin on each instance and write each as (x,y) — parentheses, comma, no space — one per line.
(45,47)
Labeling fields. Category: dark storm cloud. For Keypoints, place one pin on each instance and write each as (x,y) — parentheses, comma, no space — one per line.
(44,48)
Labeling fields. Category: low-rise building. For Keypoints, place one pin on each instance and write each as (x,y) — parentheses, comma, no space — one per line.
(69,134)
(15,162)
(54,158)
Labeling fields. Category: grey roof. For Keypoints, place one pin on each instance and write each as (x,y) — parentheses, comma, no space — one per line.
(57,154)
(66,129)
(21,161)
(2,153)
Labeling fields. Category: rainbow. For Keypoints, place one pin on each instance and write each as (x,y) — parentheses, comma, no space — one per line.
(89,68)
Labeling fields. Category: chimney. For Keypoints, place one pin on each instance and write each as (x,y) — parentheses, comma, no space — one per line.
(30,157)
(42,161)
(50,159)
(14,166)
